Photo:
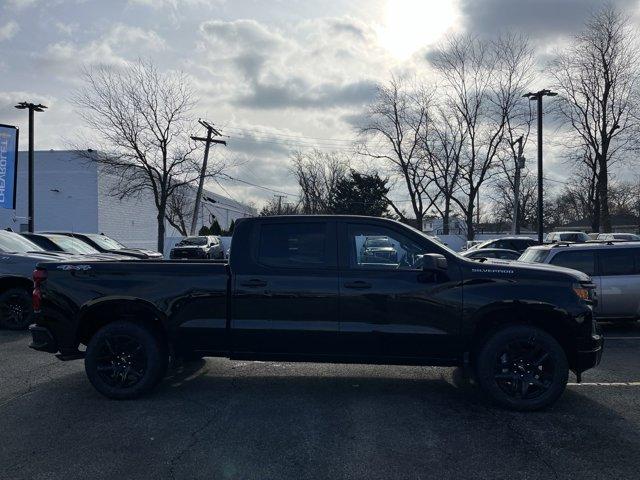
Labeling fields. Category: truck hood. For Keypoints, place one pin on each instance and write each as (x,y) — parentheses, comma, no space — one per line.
(191,247)
(43,256)
(540,268)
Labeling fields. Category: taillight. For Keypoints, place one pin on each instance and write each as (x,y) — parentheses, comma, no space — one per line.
(39,276)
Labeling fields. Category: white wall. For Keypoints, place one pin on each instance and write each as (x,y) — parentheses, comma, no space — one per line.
(64,193)
(130,220)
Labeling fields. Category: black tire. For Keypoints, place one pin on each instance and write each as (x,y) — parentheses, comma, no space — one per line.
(125,360)
(16,310)
(522,368)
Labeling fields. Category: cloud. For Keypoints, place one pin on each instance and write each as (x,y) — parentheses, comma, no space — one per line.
(312,67)
(116,47)
(8,30)
(297,93)
(540,19)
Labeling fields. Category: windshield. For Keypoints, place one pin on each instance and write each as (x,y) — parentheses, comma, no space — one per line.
(377,242)
(14,243)
(194,241)
(71,244)
(575,237)
(533,255)
(440,244)
(106,242)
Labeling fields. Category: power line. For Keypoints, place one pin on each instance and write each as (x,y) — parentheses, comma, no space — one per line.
(228,177)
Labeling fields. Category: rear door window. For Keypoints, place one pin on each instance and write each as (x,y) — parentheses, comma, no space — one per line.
(618,261)
(581,260)
(294,245)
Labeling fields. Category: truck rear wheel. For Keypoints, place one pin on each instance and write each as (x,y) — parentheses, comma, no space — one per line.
(16,312)
(125,360)
(522,368)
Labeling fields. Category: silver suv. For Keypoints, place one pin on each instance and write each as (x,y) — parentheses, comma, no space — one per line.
(614,268)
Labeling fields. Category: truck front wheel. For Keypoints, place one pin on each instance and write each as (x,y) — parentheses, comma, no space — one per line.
(522,368)
(125,360)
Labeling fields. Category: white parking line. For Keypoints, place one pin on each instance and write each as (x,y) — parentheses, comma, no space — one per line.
(604,384)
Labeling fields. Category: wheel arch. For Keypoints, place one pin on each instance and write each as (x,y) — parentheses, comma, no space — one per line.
(93,316)
(8,282)
(544,316)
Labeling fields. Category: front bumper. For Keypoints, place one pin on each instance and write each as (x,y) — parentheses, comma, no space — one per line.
(186,254)
(589,352)
(42,339)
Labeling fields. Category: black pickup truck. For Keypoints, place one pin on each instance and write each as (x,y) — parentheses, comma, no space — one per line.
(298,288)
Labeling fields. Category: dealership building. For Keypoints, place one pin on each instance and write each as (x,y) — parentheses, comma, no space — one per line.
(72,193)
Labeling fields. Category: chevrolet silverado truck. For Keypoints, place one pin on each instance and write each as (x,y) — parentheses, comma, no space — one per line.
(298,288)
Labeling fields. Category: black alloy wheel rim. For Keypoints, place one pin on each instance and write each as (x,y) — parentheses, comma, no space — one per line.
(524,369)
(16,311)
(121,361)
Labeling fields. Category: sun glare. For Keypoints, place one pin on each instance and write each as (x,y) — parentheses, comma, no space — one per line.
(409,25)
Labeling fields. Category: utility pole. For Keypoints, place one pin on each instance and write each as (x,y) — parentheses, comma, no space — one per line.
(538,97)
(515,225)
(211,132)
(32,107)
(279,197)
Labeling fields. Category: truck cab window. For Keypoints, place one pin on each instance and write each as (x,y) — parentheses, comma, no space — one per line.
(293,245)
(381,248)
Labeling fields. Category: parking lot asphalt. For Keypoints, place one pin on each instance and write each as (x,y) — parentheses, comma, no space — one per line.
(266,420)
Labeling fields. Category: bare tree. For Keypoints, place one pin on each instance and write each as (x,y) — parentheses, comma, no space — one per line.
(394,133)
(179,210)
(142,120)
(318,174)
(503,196)
(274,207)
(442,148)
(596,77)
(484,81)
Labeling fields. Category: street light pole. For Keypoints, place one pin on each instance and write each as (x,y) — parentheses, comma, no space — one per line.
(32,108)
(538,97)
(515,225)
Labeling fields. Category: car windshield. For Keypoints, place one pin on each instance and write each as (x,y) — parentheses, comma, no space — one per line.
(533,255)
(626,236)
(574,237)
(106,242)
(377,242)
(440,244)
(11,242)
(194,241)
(71,244)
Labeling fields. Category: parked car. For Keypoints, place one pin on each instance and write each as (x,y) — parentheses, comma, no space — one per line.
(623,237)
(614,268)
(485,253)
(18,259)
(519,244)
(378,249)
(53,242)
(295,289)
(576,237)
(202,246)
(105,244)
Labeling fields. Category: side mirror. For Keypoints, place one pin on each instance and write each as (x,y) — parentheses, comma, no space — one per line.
(434,262)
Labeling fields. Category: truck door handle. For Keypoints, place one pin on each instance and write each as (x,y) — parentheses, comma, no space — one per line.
(254,283)
(358,284)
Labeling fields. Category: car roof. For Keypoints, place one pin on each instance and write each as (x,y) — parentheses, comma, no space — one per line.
(586,245)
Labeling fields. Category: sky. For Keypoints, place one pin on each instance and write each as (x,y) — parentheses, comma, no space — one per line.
(273,75)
